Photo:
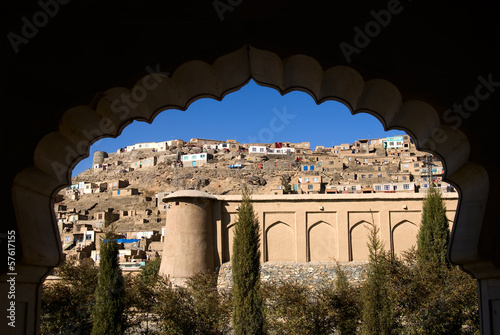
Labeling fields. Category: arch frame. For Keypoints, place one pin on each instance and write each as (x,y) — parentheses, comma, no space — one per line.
(58,152)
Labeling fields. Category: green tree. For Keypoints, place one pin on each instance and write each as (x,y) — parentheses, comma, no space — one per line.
(378,311)
(67,304)
(107,314)
(434,233)
(433,301)
(433,297)
(212,308)
(247,300)
(140,298)
(197,308)
(175,307)
(293,308)
(346,304)
(149,273)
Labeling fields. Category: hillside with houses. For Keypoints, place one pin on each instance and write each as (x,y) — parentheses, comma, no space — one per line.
(125,188)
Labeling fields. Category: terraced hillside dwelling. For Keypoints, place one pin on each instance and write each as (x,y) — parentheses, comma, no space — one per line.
(305,198)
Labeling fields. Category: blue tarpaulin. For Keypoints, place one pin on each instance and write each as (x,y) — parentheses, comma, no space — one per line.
(125,240)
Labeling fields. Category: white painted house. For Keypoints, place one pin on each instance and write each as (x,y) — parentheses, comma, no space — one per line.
(280,151)
(156,146)
(257,149)
(395,142)
(394,187)
(195,159)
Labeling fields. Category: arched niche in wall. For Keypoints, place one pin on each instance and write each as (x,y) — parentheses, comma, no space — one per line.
(403,237)
(279,243)
(322,244)
(358,239)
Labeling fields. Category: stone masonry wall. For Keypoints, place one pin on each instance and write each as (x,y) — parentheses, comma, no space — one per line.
(310,273)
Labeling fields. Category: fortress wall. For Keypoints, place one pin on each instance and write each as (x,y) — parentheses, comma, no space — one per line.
(325,228)
(311,274)
(302,236)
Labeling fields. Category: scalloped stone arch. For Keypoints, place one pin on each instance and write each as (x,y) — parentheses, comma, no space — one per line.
(58,152)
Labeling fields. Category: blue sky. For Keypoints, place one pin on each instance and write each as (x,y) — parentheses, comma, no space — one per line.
(252,114)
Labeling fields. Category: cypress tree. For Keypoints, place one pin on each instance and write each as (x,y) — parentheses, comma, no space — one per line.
(434,234)
(109,305)
(378,312)
(441,306)
(247,300)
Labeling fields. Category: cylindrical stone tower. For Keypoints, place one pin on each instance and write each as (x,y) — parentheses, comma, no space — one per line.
(189,235)
(99,157)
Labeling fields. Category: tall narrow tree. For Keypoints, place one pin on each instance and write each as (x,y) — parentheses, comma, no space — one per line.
(434,234)
(108,309)
(247,300)
(378,311)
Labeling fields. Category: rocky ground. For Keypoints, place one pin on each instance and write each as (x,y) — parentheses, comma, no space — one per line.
(215,178)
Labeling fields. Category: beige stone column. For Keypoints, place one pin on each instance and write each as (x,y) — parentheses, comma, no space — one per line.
(300,235)
(218,229)
(262,229)
(343,233)
(385,227)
